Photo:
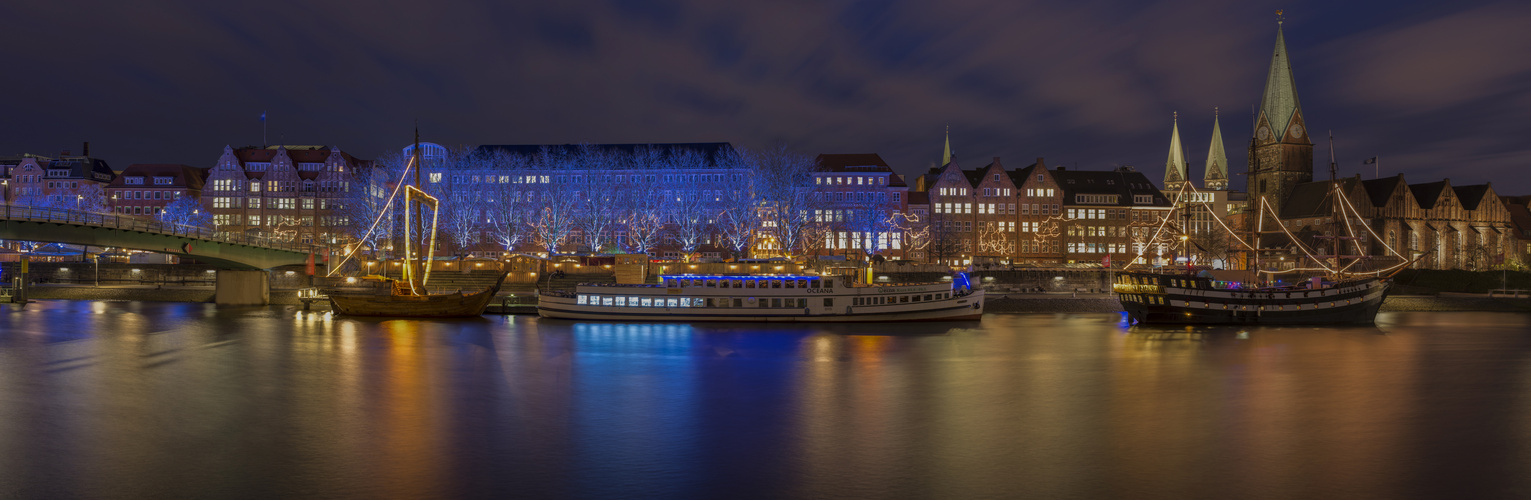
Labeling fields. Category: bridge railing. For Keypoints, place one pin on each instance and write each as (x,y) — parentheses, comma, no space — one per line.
(148,225)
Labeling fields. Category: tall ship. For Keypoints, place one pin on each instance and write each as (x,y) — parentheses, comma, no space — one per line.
(1337,292)
(410,295)
(780,298)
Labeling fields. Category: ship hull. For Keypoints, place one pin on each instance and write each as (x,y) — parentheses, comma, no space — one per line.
(764,299)
(1348,303)
(452,305)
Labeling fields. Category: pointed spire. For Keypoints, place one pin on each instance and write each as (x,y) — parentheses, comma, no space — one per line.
(946,152)
(1175,166)
(1217,159)
(1280,101)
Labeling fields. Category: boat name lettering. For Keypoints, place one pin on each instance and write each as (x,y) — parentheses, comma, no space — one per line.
(821,290)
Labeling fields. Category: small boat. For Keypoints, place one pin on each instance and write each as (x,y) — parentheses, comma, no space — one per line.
(396,301)
(769,298)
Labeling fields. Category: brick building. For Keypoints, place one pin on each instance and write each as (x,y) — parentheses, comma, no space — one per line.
(146,188)
(859,204)
(293,193)
(67,182)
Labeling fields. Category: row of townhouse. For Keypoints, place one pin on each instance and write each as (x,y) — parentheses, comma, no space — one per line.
(1037,215)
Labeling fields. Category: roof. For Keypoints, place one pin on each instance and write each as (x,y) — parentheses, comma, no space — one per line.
(1311,199)
(1520,215)
(1217,158)
(919,198)
(1280,100)
(1471,196)
(186,176)
(1020,176)
(712,152)
(1175,165)
(1427,193)
(78,167)
(1379,190)
(858,162)
(298,154)
(1123,182)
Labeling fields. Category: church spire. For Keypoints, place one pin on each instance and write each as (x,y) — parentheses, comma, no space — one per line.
(946,152)
(1280,102)
(1217,159)
(1175,166)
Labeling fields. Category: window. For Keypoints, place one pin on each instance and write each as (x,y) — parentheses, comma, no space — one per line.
(164,181)
(136,181)
(283,203)
(308,203)
(255,220)
(253,202)
(255,186)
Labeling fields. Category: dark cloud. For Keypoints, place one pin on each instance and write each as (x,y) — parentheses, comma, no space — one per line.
(1436,90)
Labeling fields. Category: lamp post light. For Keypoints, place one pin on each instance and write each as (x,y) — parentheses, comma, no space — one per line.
(78,199)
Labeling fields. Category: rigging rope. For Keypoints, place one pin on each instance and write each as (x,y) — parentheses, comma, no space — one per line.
(375,222)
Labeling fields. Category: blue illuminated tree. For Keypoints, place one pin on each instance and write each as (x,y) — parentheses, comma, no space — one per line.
(186,211)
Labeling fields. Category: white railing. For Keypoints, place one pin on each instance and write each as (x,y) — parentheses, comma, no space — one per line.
(147,225)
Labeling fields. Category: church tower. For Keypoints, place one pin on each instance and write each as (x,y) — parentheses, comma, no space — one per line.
(1216,177)
(1175,167)
(1280,155)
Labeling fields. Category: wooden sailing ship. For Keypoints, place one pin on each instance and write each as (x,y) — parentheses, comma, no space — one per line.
(1336,294)
(409,295)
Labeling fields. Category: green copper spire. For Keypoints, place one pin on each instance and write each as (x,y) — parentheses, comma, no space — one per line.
(946,152)
(1175,166)
(1280,101)
(1217,159)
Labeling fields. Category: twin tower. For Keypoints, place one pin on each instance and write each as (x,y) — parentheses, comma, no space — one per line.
(1280,154)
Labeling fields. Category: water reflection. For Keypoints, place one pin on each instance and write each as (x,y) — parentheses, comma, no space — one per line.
(146,400)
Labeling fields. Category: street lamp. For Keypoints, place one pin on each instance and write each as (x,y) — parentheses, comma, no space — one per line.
(79,198)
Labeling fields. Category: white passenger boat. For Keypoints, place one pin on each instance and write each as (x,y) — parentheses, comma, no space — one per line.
(766,299)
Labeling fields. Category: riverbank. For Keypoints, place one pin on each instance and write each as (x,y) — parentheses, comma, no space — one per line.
(996,303)
(1091,303)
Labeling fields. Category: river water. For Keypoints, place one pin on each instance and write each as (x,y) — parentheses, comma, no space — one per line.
(157,400)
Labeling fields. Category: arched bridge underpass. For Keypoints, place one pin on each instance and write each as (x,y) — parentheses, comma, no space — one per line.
(227,250)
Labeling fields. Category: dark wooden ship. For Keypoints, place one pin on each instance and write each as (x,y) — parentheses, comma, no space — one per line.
(1338,294)
(409,295)
(396,300)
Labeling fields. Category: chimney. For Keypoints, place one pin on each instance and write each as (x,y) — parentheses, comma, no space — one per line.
(1041,164)
(87,149)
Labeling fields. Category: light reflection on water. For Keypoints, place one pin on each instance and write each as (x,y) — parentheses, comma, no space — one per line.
(152,400)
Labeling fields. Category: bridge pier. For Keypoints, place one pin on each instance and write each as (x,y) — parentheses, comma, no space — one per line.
(242,288)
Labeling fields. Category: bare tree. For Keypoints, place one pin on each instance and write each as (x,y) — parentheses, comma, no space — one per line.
(786,182)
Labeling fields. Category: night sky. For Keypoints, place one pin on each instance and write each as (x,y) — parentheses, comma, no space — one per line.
(1437,89)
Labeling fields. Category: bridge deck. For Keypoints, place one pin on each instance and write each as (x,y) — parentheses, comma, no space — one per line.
(72,226)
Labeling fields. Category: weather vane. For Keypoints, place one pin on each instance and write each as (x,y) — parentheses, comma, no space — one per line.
(1279,16)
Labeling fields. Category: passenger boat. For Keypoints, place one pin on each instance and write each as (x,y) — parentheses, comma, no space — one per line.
(785,298)
(1338,294)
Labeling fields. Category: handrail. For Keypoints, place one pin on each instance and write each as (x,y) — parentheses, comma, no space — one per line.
(119,221)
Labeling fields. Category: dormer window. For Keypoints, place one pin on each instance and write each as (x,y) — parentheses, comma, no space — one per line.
(163,181)
(135,180)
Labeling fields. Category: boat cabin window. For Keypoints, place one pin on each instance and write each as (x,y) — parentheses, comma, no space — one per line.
(606,301)
(621,301)
(791,283)
(749,283)
(583,299)
(828,302)
(927,298)
(775,283)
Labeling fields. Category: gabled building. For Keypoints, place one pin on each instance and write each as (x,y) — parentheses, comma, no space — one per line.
(66,182)
(292,193)
(1039,218)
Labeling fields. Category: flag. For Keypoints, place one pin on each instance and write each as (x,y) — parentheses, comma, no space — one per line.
(262,116)
(310,264)
(1106,261)
(1370,161)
